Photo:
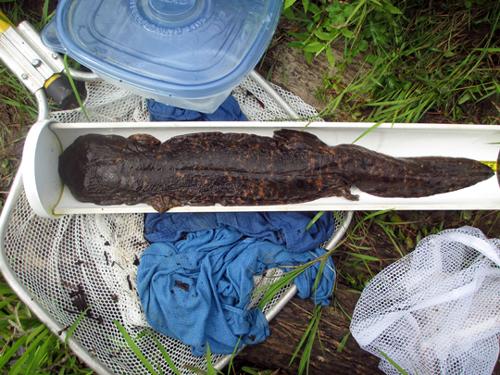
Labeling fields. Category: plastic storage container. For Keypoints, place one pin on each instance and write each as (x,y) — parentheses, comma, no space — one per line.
(186,53)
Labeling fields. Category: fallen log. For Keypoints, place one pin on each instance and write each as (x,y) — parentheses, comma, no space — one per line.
(328,357)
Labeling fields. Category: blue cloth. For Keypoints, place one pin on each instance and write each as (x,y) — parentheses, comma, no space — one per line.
(228,111)
(284,228)
(196,282)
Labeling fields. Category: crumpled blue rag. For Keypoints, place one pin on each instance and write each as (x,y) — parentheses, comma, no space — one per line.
(229,110)
(195,281)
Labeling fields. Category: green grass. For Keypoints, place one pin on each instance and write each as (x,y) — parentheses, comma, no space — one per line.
(394,364)
(19,10)
(131,343)
(74,89)
(306,343)
(166,356)
(27,346)
(413,58)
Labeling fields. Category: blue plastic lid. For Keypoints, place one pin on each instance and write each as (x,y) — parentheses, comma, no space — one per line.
(185,48)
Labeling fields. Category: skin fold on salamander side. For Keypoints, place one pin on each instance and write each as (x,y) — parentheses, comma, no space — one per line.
(247,169)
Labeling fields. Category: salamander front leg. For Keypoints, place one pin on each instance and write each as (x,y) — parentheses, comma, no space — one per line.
(145,142)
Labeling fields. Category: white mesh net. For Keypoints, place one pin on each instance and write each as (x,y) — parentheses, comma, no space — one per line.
(89,262)
(108,103)
(437,310)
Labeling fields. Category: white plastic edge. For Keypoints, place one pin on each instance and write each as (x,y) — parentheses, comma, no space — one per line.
(42,198)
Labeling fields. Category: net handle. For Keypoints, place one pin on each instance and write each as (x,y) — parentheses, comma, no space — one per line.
(274,95)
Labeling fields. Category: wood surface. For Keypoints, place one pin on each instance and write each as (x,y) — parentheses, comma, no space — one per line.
(288,327)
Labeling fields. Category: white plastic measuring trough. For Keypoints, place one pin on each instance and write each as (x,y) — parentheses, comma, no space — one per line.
(49,198)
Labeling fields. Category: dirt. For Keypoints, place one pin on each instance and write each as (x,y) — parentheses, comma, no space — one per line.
(11,144)
(287,67)
(7,115)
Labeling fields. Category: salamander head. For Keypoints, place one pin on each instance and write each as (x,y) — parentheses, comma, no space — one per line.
(90,167)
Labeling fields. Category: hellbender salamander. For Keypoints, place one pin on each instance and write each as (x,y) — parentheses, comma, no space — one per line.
(247,169)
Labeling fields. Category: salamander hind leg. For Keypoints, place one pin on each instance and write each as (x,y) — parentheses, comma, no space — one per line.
(339,187)
(162,203)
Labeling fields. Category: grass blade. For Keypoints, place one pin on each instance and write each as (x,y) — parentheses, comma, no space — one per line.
(343,342)
(249,370)
(165,356)
(45,12)
(367,131)
(41,353)
(41,335)
(364,257)
(275,287)
(301,342)
(210,366)
(71,330)
(317,280)
(10,352)
(314,220)
(307,342)
(135,349)
(394,364)
(233,354)
(73,87)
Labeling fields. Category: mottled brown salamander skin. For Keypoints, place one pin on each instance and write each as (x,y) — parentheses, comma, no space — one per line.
(246,169)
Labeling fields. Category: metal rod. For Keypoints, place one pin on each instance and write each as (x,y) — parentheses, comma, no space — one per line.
(43,105)
(80,75)
(341,231)
(273,94)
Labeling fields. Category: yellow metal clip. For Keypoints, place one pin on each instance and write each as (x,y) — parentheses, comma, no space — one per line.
(5,23)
